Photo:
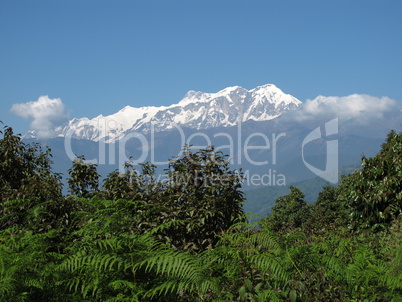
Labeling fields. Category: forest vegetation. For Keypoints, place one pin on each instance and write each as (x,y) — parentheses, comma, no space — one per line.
(131,238)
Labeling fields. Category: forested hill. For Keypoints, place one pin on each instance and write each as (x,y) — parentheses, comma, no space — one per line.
(131,238)
(260,201)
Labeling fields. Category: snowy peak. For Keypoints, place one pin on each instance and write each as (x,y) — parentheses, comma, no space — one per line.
(271,94)
(193,97)
(197,110)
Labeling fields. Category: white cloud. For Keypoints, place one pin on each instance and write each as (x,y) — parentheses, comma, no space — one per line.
(358,108)
(46,115)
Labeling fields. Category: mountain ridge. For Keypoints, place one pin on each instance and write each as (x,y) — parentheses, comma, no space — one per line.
(197,110)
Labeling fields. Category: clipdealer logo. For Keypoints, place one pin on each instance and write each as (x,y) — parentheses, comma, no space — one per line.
(330,173)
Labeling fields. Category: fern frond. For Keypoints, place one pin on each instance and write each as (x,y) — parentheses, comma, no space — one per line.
(269,263)
(183,272)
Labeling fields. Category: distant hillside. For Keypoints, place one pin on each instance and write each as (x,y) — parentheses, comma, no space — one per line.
(260,201)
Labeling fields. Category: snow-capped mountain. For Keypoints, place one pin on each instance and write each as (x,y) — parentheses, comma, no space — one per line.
(197,110)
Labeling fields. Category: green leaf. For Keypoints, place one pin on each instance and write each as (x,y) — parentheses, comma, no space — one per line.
(293,295)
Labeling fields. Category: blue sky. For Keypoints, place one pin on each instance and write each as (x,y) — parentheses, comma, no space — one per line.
(99,56)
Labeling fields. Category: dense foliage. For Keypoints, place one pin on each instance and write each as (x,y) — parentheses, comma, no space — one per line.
(132,238)
(374,193)
(289,212)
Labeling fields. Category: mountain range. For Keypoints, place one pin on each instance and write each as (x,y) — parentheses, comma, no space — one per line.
(197,110)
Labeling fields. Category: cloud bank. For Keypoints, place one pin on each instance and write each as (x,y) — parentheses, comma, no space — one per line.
(46,115)
(359,108)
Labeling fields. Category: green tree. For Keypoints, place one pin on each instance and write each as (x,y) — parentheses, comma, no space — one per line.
(84,178)
(328,212)
(374,193)
(289,212)
(25,170)
(205,194)
(121,185)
